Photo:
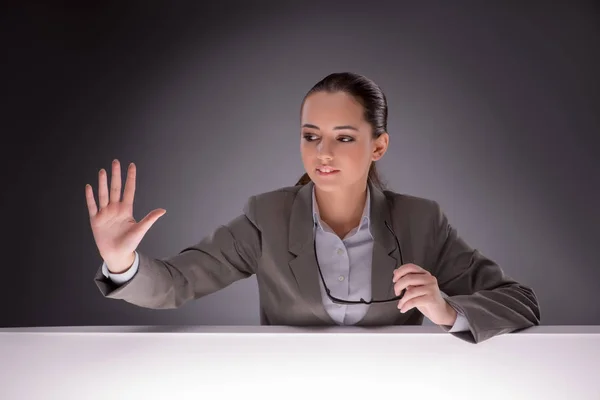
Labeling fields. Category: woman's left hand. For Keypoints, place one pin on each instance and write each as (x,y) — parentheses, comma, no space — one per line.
(422,292)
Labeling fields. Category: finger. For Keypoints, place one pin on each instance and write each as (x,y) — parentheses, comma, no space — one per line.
(129,192)
(102,189)
(415,302)
(413,279)
(115,182)
(146,223)
(91,203)
(409,280)
(406,269)
(413,292)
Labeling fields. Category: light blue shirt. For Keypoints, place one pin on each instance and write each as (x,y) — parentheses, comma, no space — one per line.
(345,264)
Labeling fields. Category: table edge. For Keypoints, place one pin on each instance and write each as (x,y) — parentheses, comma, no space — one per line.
(245,329)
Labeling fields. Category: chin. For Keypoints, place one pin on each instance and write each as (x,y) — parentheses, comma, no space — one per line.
(326,184)
(326,187)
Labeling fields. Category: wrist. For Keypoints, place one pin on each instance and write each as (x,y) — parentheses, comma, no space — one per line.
(121,265)
(451,315)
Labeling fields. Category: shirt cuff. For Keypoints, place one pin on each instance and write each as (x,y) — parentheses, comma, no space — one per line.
(461,324)
(120,279)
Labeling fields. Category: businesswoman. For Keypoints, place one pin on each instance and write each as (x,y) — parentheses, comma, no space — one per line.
(336,248)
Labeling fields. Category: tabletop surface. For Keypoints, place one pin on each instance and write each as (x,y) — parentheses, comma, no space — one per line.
(274,362)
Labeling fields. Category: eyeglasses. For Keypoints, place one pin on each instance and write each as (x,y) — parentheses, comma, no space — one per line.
(361,301)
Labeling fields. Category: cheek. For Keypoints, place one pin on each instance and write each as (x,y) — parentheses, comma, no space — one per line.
(307,154)
(305,151)
(357,155)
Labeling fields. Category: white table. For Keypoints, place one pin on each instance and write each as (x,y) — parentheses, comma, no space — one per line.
(337,363)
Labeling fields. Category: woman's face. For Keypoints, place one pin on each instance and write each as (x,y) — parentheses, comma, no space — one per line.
(335,134)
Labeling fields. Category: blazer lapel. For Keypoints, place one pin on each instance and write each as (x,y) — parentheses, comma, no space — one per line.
(385,259)
(301,244)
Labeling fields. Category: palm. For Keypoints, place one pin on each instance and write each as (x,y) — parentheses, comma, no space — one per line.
(115,231)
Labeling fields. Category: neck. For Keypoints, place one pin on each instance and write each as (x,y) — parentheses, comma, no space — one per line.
(342,209)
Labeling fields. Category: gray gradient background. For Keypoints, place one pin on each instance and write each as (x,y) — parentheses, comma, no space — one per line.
(493,112)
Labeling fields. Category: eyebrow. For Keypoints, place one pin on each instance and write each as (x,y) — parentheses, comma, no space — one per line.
(335,128)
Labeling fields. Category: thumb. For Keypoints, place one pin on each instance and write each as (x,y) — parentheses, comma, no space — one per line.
(146,223)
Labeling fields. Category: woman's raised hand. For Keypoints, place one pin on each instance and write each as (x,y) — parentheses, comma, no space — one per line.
(115,231)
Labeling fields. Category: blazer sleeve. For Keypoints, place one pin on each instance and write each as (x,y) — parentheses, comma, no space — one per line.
(228,254)
(492,302)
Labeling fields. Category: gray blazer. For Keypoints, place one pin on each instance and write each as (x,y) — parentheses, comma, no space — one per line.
(273,239)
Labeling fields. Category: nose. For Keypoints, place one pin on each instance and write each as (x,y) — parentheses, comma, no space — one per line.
(324,151)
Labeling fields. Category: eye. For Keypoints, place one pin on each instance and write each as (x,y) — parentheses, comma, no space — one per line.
(308,137)
(311,138)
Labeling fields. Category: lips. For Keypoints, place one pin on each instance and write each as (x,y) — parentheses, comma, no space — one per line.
(326,169)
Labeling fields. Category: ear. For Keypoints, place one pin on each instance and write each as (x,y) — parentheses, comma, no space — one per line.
(380,146)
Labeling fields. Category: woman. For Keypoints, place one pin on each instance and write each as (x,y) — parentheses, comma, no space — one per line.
(336,248)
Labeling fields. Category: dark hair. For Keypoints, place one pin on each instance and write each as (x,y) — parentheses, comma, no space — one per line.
(369,95)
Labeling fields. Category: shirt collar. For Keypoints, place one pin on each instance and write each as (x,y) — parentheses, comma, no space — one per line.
(365,215)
